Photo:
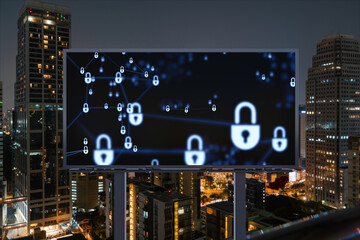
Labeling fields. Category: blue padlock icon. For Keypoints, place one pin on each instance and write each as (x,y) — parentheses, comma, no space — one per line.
(155,81)
(119,107)
(279,144)
(96,55)
(103,156)
(122,130)
(86,150)
(128,143)
(194,157)
(135,149)
(82,70)
(129,108)
(87,78)
(118,78)
(135,117)
(292,82)
(245,136)
(122,70)
(85,141)
(154,162)
(86,108)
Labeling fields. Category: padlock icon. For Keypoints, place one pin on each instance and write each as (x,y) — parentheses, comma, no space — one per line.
(93,79)
(86,108)
(128,143)
(106,105)
(96,55)
(118,78)
(292,82)
(86,150)
(119,107)
(122,70)
(103,156)
(135,149)
(194,157)
(122,130)
(82,70)
(279,144)
(155,81)
(213,107)
(167,108)
(90,91)
(245,136)
(87,78)
(129,108)
(85,141)
(136,117)
(120,117)
(154,162)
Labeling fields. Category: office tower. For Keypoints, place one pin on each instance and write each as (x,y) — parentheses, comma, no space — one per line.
(332,113)
(354,171)
(302,136)
(2,179)
(85,190)
(43,33)
(255,193)
(220,221)
(154,212)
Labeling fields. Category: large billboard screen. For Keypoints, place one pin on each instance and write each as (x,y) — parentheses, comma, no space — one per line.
(180,110)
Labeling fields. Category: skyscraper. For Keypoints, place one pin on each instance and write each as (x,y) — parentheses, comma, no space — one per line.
(333,112)
(354,171)
(302,132)
(43,33)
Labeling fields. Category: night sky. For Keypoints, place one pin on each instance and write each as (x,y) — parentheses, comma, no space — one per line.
(193,24)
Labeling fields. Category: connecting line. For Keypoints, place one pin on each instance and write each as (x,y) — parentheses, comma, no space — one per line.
(123,91)
(111,60)
(133,71)
(138,99)
(76,151)
(138,67)
(265,141)
(77,66)
(89,62)
(189,120)
(266,156)
(151,151)
(74,120)
(104,78)
(87,92)
(73,153)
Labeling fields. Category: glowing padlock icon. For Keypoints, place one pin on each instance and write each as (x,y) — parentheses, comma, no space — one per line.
(135,149)
(128,143)
(82,70)
(122,70)
(292,82)
(85,141)
(155,81)
(119,107)
(86,108)
(146,74)
(103,156)
(87,78)
(120,117)
(86,150)
(129,108)
(106,105)
(96,55)
(118,78)
(136,117)
(154,162)
(194,157)
(245,136)
(213,108)
(122,130)
(279,144)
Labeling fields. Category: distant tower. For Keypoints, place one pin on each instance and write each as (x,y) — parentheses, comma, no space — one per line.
(333,112)
(43,33)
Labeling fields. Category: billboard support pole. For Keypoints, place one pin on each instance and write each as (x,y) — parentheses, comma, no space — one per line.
(119,225)
(240,206)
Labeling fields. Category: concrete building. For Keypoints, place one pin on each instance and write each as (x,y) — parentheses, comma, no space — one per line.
(302,136)
(332,113)
(43,33)
(219,221)
(255,193)
(354,171)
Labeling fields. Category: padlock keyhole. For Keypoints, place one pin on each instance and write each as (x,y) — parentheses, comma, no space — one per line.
(103,156)
(245,134)
(279,143)
(194,157)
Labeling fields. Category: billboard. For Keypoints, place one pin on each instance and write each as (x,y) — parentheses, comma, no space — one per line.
(138,110)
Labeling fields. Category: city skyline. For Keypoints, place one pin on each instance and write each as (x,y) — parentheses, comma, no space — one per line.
(203,24)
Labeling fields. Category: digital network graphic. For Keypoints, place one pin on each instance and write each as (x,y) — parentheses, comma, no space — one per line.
(177,108)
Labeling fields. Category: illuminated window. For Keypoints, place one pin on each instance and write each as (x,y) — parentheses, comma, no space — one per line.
(46,42)
(39,65)
(31,35)
(181,210)
(47,66)
(46,37)
(46,27)
(53,91)
(46,76)
(101,177)
(59,38)
(45,46)
(49,86)
(211,211)
(52,57)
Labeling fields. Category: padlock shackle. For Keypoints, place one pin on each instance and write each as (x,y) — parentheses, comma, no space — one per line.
(194,137)
(128,139)
(156,77)
(118,74)
(103,136)
(136,104)
(87,74)
(154,161)
(238,109)
(279,128)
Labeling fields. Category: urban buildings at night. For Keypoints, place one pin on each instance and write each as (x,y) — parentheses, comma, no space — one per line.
(354,171)
(332,110)
(43,34)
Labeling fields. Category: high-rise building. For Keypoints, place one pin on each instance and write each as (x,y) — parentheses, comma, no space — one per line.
(354,171)
(332,113)
(255,193)
(2,179)
(302,136)
(43,33)
(220,221)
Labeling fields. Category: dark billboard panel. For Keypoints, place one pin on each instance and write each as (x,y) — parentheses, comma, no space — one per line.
(188,110)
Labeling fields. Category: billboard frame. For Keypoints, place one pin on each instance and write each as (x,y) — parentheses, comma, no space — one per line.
(183,168)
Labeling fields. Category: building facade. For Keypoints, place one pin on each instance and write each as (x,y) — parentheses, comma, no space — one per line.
(332,113)
(302,137)
(255,193)
(354,171)
(43,34)
(219,221)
